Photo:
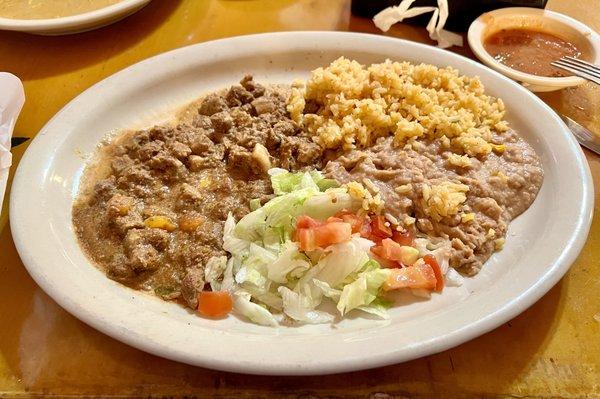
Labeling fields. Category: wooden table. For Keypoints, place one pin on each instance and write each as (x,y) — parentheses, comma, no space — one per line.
(551,350)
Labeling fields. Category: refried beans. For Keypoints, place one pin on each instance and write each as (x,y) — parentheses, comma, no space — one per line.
(500,189)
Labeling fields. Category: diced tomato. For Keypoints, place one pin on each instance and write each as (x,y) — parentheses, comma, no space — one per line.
(361,225)
(303,222)
(391,249)
(324,235)
(377,250)
(378,253)
(214,304)
(332,233)
(381,251)
(306,238)
(405,238)
(365,229)
(418,276)
(375,239)
(344,212)
(354,221)
(379,227)
(437,270)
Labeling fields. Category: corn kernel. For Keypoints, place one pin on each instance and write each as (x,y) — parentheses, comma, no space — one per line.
(190,223)
(124,209)
(498,148)
(499,244)
(205,182)
(467,217)
(160,222)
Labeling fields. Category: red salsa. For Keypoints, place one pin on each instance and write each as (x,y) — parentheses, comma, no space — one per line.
(530,51)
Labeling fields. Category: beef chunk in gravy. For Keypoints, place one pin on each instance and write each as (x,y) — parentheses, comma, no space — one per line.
(153,204)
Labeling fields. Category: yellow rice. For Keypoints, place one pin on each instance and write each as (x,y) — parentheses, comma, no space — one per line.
(357,104)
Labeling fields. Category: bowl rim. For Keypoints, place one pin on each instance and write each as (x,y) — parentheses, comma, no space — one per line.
(70,21)
(478,26)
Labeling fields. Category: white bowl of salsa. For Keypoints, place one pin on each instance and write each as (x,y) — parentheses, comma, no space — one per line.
(521,42)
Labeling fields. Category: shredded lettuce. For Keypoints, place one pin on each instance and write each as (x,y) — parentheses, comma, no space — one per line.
(271,299)
(259,258)
(343,259)
(275,218)
(325,184)
(327,290)
(268,272)
(378,307)
(329,203)
(254,204)
(228,283)
(213,271)
(249,228)
(290,260)
(247,276)
(284,182)
(363,290)
(231,242)
(256,313)
(301,307)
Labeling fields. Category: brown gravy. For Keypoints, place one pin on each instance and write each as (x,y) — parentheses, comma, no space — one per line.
(153,205)
(530,51)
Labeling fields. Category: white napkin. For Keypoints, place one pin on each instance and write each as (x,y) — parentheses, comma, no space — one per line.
(388,17)
(12,97)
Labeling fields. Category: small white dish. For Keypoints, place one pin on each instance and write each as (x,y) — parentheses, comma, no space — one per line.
(543,20)
(540,247)
(74,23)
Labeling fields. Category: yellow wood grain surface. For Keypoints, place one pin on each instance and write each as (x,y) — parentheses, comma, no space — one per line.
(551,350)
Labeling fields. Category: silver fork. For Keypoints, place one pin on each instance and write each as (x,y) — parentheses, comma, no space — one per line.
(579,67)
(583,135)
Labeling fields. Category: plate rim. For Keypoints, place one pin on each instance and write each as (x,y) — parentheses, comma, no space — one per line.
(511,309)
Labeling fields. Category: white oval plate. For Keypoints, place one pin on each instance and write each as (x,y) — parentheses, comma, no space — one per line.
(74,23)
(541,244)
